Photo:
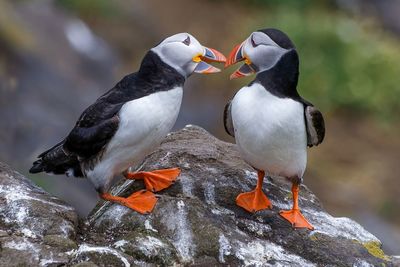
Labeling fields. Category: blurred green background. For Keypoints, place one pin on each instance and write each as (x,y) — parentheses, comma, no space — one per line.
(57,57)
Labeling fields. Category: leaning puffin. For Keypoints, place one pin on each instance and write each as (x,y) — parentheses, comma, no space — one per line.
(272,124)
(130,121)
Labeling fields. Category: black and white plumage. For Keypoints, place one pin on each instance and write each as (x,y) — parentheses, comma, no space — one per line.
(89,146)
(271,123)
(130,120)
(270,109)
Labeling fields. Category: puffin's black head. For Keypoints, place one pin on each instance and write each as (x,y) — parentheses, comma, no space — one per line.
(261,51)
(186,55)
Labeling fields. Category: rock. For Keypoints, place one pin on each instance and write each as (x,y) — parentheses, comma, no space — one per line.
(195,222)
(35,228)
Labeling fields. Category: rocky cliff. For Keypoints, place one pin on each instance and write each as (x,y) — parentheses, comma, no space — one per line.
(195,222)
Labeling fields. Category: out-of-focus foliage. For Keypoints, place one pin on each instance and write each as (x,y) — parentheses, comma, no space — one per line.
(346,62)
(12,34)
(91,8)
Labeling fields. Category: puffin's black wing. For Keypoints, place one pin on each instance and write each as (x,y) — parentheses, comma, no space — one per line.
(228,119)
(93,130)
(55,160)
(99,122)
(89,136)
(86,142)
(315,126)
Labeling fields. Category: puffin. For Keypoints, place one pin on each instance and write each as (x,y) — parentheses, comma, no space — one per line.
(129,121)
(271,123)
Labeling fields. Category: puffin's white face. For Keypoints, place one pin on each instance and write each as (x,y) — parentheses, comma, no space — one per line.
(259,52)
(262,51)
(185,54)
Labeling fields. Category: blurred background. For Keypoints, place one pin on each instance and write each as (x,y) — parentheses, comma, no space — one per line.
(57,57)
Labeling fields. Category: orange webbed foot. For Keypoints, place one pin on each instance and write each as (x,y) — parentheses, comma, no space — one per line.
(156,180)
(253,201)
(142,201)
(296,218)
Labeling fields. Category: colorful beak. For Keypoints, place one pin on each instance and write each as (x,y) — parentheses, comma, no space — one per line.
(244,70)
(210,55)
(237,55)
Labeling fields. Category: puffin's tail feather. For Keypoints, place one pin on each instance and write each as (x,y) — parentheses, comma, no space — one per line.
(37,166)
(56,161)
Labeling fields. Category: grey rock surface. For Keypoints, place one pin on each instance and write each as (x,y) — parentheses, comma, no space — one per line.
(35,228)
(195,221)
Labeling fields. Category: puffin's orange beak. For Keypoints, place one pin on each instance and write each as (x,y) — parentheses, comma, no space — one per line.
(237,55)
(210,55)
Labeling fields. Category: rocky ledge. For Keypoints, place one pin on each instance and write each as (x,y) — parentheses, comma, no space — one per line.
(195,222)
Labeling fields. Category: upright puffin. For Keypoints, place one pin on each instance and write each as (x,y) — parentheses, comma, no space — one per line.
(272,124)
(130,121)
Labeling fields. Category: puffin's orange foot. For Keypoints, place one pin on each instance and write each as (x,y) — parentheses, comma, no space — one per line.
(297,219)
(142,201)
(156,180)
(253,201)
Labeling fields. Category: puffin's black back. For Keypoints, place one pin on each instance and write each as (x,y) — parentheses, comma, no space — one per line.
(153,76)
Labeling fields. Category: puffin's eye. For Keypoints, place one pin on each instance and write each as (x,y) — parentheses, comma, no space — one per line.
(253,43)
(187,41)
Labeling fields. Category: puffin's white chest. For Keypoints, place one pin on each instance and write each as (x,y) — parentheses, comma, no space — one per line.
(270,131)
(144,122)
